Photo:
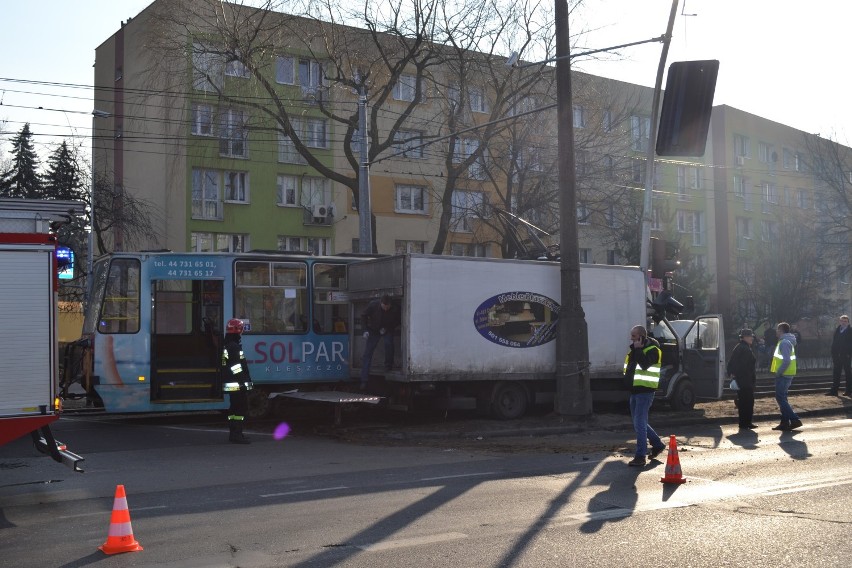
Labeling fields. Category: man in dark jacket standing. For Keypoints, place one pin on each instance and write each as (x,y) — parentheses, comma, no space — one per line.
(741,367)
(841,355)
(380,319)
(642,371)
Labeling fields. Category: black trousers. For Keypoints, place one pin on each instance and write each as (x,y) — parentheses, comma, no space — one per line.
(745,405)
(844,363)
(239,403)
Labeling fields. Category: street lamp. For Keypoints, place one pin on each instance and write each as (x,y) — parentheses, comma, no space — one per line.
(91,244)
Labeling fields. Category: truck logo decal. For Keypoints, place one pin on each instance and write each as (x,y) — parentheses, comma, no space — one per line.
(517,319)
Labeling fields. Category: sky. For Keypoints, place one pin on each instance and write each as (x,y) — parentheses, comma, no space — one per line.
(784,60)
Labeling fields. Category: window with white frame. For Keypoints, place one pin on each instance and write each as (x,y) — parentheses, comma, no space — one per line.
(656,219)
(742,148)
(691,222)
(788,159)
(402,247)
(237,187)
(585,255)
(637,170)
(236,68)
(469,249)
(405,88)
(612,219)
(409,142)
(764,152)
(206,198)
(207,68)
(478,102)
(467,206)
(579,116)
(583,213)
(768,230)
(612,257)
(202,120)
(745,270)
(233,133)
(290,244)
(740,184)
(802,198)
(522,105)
(801,166)
(218,242)
(698,262)
(315,133)
(410,199)
(320,246)
(287,190)
(287,153)
(770,192)
(606,120)
(464,148)
(743,232)
(310,77)
(285,73)
(315,191)
(640,132)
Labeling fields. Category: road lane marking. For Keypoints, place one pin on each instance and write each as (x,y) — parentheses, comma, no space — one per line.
(303,491)
(414,541)
(459,475)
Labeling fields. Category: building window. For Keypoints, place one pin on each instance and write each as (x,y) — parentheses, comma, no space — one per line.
(612,257)
(207,69)
(402,247)
(410,199)
(583,214)
(656,223)
(788,159)
(469,249)
(585,255)
(606,121)
(287,153)
(320,246)
(284,70)
(637,170)
(612,220)
(315,133)
(405,88)
(640,132)
(740,184)
(315,191)
(206,201)
(202,120)
(579,115)
(310,78)
(464,148)
(692,222)
(236,68)
(770,193)
(409,142)
(802,198)
(289,244)
(768,230)
(478,102)
(287,192)
(581,159)
(237,187)
(743,232)
(233,134)
(467,206)
(218,242)
(741,146)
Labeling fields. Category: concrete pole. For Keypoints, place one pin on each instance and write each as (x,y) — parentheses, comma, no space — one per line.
(365,228)
(573,390)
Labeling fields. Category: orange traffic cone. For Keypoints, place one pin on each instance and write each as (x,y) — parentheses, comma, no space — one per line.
(120,536)
(673,474)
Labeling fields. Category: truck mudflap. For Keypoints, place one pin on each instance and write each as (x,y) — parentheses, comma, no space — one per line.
(47,444)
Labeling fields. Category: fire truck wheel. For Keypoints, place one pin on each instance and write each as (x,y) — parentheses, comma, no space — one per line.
(259,405)
(509,401)
(683,397)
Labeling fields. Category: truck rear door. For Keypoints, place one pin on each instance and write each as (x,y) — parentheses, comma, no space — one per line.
(704,356)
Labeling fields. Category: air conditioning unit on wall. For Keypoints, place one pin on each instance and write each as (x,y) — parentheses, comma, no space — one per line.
(320,211)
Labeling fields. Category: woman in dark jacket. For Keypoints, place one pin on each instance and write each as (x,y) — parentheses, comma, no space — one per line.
(741,367)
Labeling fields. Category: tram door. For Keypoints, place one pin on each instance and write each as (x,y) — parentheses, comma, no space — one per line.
(186,335)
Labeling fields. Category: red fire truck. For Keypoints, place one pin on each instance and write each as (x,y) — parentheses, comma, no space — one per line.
(28,304)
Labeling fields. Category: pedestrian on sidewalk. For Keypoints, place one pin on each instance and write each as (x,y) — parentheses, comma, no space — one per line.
(642,373)
(841,356)
(784,368)
(741,366)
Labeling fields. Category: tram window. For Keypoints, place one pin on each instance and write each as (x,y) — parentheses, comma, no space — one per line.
(272,296)
(120,307)
(331,313)
(173,311)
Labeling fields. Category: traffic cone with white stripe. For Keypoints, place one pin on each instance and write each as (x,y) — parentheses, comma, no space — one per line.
(673,473)
(120,536)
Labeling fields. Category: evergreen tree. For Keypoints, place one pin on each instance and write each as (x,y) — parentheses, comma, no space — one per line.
(22,179)
(62,180)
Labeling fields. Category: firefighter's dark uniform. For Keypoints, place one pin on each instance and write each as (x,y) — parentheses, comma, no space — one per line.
(237,384)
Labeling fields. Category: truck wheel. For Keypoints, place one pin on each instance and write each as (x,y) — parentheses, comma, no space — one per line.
(259,405)
(509,401)
(683,397)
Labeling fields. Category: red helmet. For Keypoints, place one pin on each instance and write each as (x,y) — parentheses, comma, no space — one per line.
(234,326)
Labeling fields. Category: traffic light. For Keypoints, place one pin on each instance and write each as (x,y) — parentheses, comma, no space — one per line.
(663,257)
(687,105)
(665,305)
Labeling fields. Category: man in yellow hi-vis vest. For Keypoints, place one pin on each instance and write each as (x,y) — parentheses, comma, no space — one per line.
(642,371)
(784,368)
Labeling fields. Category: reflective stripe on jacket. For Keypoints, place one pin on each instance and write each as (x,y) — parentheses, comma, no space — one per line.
(649,377)
(778,359)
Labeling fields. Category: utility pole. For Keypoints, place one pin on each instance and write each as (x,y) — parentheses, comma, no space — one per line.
(573,390)
(365,229)
(647,213)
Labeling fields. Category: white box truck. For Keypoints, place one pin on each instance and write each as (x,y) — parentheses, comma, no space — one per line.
(480,333)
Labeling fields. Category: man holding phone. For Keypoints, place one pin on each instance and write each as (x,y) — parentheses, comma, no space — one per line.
(642,371)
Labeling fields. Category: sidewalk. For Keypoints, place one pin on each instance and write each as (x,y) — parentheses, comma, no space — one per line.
(603,431)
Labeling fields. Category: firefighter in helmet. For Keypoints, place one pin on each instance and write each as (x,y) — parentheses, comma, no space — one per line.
(237,380)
